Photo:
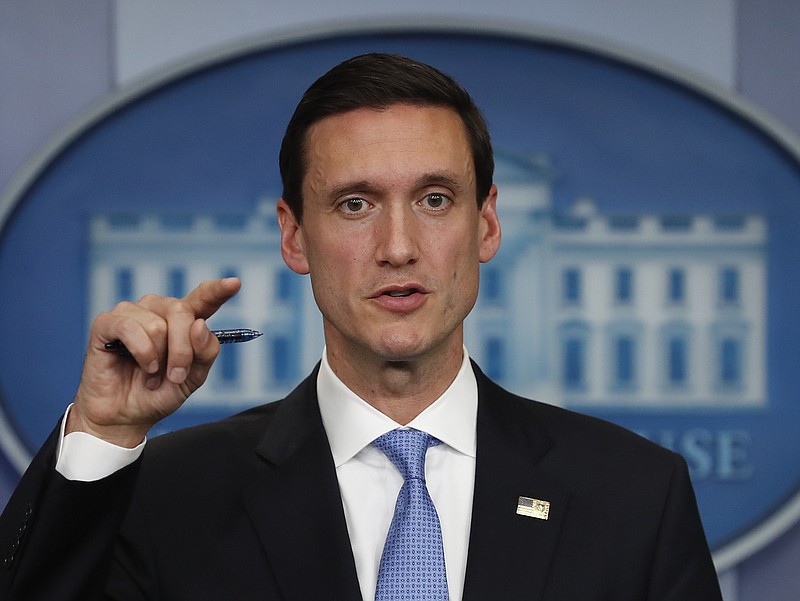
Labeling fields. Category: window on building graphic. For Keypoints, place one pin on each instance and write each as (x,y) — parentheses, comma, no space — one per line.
(228,362)
(677,360)
(623,285)
(494,359)
(124,284)
(571,285)
(676,286)
(282,360)
(623,340)
(177,223)
(624,361)
(674,355)
(730,344)
(231,222)
(574,363)
(574,355)
(176,282)
(727,223)
(676,223)
(623,223)
(730,362)
(491,285)
(562,221)
(729,285)
(285,285)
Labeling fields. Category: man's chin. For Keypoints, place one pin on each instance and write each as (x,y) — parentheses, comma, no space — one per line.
(399,354)
(401,346)
(405,346)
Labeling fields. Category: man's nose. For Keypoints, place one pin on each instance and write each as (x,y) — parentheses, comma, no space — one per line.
(397,236)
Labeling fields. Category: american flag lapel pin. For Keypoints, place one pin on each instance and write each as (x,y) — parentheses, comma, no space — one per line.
(533,508)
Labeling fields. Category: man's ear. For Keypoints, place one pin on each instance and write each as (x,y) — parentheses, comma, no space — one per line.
(292,248)
(489,230)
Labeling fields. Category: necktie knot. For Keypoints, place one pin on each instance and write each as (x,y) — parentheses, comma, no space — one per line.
(406,450)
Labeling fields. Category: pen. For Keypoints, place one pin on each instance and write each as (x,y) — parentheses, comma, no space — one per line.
(224,336)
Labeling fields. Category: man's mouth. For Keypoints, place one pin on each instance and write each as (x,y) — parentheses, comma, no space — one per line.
(400,293)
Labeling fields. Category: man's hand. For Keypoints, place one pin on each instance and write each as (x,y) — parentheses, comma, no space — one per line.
(120,398)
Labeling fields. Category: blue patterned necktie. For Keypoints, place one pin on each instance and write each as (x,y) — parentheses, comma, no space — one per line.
(412,564)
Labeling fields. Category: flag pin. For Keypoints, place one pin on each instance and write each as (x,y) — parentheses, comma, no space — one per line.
(533,508)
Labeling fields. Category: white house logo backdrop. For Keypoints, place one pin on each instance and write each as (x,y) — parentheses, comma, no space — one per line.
(647,273)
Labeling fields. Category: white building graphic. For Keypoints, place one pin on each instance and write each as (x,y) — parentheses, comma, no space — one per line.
(134,254)
(579,308)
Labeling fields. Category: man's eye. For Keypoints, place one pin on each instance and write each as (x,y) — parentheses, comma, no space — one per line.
(435,201)
(353,205)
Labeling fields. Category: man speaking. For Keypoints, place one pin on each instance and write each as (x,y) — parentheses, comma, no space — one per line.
(397,469)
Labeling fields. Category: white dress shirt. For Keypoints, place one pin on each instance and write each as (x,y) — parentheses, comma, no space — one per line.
(368,481)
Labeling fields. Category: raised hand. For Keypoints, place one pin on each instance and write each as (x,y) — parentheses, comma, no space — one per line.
(120,398)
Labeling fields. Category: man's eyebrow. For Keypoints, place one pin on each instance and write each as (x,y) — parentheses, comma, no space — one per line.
(352,188)
(435,178)
(440,178)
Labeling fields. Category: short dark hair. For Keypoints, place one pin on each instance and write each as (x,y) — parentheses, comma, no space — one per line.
(379,81)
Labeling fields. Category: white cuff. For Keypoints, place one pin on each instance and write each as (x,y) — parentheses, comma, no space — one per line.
(86,458)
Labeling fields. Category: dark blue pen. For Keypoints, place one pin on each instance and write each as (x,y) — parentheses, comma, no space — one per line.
(224,336)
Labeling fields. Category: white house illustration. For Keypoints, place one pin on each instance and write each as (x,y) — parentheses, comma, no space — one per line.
(579,308)
(134,254)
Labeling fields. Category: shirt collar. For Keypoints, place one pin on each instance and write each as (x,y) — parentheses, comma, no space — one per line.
(351,423)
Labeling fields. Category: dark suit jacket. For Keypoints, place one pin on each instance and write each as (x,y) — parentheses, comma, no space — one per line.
(249,508)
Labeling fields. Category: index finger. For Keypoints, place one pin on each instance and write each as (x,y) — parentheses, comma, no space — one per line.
(210,295)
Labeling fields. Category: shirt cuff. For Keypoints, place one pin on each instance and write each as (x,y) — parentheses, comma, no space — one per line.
(86,458)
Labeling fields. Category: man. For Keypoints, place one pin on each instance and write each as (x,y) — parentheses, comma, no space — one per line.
(389,205)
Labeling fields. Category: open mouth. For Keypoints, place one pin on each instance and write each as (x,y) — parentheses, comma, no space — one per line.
(400,293)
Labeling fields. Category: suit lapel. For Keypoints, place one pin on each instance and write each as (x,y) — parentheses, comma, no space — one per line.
(296,507)
(509,554)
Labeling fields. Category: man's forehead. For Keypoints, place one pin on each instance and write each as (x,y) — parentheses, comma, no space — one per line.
(352,144)
(368,113)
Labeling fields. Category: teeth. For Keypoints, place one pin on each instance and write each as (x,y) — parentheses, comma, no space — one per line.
(400,293)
